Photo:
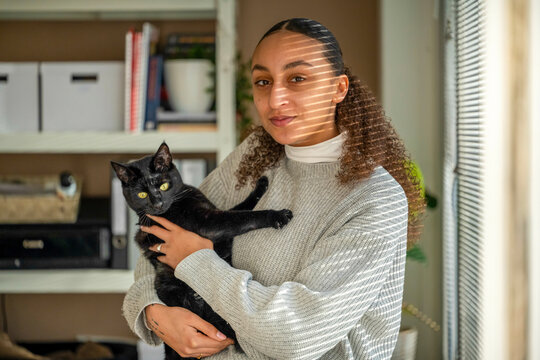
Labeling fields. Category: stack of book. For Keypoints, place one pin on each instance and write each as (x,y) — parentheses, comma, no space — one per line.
(144,75)
(176,121)
(142,79)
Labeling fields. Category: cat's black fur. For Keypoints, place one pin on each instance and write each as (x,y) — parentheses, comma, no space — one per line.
(187,207)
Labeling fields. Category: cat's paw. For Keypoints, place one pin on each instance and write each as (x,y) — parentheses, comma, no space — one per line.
(262,184)
(263,181)
(261,187)
(281,218)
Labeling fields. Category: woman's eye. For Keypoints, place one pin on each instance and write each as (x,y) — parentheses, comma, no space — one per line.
(298,79)
(262,82)
(164,186)
(142,195)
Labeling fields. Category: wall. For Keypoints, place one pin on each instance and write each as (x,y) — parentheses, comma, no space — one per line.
(355,24)
(411,95)
(534,226)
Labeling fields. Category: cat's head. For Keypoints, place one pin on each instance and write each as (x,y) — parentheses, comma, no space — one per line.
(151,183)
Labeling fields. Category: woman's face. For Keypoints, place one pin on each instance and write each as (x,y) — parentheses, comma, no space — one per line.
(295,90)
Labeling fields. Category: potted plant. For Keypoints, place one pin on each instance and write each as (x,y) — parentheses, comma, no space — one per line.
(189,73)
(244,97)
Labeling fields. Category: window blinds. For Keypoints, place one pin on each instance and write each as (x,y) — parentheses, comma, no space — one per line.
(463,177)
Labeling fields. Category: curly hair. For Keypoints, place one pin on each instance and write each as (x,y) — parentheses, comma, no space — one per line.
(370,138)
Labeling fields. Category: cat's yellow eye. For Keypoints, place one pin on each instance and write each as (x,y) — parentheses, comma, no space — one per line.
(142,195)
(164,186)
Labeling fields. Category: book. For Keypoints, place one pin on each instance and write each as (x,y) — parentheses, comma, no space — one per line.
(139,47)
(135,83)
(119,209)
(149,39)
(153,91)
(185,46)
(179,117)
(128,68)
(186,127)
(192,171)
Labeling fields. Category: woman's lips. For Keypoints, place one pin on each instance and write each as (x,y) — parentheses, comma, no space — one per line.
(281,121)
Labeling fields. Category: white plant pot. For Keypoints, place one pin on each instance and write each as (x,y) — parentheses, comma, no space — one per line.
(406,344)
(187,82)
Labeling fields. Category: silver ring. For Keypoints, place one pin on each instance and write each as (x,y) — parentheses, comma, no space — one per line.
(159,247)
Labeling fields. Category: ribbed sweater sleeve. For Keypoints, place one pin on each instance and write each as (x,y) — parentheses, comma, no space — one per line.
(338,282)
(140,295)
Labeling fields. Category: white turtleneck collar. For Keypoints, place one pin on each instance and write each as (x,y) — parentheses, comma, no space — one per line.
(326,151)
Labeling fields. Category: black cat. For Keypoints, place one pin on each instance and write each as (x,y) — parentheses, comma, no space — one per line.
(152,185)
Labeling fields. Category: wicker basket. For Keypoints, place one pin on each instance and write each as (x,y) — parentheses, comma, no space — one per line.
(39,208)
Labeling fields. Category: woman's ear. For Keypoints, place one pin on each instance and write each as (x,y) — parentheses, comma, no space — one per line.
(342,88)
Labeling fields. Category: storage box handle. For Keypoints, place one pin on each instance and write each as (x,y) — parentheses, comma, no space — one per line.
(84,77)
(3,78)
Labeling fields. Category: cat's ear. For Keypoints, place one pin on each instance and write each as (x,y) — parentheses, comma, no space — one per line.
(123,172)
(162,159)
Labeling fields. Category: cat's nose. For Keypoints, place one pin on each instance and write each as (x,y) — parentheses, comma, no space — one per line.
(158,205)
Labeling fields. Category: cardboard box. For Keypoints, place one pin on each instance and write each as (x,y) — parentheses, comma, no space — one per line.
(45,205)
(82,96)
(19,111)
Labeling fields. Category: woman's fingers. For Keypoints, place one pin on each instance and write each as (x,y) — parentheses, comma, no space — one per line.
(208,329)
(164,222)
(158,248)
(202,344)
(204,341)
(204,352)
(160,232)
(208,337)
(178,327)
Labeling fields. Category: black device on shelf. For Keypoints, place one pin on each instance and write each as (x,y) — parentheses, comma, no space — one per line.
(88,243)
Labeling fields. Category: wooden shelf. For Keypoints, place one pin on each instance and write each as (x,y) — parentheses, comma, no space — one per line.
(107,142)
(65,281)
(107,10)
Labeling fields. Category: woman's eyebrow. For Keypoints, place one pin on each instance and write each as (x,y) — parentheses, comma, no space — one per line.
(288,66)
(296,63)
(259,67)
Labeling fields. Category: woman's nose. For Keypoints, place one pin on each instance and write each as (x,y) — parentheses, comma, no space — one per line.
(278,97)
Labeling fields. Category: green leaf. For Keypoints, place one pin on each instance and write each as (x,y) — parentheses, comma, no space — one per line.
(417,254)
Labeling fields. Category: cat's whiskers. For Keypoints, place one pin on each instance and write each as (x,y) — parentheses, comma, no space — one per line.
(143,219)
(180,194)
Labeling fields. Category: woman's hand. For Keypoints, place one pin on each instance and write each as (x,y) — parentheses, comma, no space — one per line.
(178,243)
(185,332)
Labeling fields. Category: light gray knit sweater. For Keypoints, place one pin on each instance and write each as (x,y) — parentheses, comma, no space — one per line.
(328,285)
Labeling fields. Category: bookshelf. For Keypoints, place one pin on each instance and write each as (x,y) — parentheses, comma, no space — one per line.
(73,281)
(221,141)
(108,142)
(109,10)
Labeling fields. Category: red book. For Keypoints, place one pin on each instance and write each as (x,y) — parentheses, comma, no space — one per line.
(135,83)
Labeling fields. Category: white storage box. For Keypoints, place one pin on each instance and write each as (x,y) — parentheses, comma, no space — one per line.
(82,96)
(19,97)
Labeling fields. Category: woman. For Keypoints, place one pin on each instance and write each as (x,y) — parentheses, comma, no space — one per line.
(329,284)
